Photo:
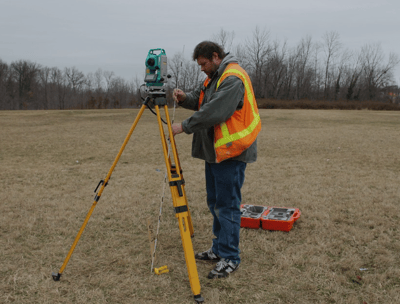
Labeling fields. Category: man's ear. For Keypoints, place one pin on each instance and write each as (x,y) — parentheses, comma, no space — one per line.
(216,59)
(215,56)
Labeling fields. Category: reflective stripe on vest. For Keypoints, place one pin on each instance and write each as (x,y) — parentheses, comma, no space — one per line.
(228,145)
(227,138)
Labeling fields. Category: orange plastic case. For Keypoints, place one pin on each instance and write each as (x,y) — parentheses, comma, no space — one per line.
(268,218)
(278,218)
(251,216)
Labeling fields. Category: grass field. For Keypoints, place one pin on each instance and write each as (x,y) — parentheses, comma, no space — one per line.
(341,168)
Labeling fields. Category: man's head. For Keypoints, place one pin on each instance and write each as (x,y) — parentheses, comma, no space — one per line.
(209,56)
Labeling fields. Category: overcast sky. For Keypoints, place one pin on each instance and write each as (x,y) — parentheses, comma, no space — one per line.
(117,35)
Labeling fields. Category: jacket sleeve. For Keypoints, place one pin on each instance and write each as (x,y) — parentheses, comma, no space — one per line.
(223,103)
(191,101)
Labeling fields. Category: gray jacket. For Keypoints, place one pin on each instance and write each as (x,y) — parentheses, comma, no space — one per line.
(216,108)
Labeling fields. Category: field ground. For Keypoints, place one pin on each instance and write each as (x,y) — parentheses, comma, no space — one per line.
(341,168)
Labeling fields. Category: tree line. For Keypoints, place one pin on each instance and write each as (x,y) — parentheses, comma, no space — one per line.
(315,70)
(28,85)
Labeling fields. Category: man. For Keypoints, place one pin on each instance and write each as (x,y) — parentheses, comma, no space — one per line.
(225,127)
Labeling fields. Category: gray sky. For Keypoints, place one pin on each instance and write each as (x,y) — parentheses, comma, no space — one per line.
(117,35)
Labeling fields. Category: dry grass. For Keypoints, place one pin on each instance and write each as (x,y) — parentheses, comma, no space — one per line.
(341,168)
(267,103)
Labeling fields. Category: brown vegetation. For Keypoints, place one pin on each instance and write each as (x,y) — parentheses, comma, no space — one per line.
(341,168)
(264,103)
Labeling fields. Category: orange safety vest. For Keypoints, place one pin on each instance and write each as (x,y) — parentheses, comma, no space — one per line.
(240,131)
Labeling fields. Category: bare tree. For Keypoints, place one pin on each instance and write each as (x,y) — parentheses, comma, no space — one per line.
(176,67)
(224,39)
(44,76)
(258,49)
(240,53)
(277,66)
(25,73)
(108,76)
(89,82)
(303,77)
(8,89)
(289,81)
(376,73)
(352,72)
(134,91)
(75,78)
(340,70)
(98,76)
(59,83)
(185,74)
(192,75)
(331,47)
(117,91)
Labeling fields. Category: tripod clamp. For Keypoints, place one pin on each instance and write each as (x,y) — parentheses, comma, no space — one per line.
(178,184)
(97,197)
(100,183)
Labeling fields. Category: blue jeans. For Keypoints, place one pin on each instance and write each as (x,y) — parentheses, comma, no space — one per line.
(224,182)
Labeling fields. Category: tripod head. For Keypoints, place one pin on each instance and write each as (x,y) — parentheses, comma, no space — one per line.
(156,95)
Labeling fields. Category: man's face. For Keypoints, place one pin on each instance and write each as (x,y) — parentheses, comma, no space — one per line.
(209,66)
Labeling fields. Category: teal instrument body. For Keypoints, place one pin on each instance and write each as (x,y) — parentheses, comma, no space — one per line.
(156,68)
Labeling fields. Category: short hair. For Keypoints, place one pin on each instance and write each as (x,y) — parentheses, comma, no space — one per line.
(206,49)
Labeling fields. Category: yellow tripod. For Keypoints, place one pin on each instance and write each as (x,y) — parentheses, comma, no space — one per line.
(176,183)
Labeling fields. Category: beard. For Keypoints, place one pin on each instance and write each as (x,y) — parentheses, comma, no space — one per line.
(214,68)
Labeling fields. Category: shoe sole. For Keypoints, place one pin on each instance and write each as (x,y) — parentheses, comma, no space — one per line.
(198,258)
(207,260)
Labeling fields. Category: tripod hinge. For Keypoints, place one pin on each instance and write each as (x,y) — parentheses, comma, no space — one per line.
(179,184)
(100,183)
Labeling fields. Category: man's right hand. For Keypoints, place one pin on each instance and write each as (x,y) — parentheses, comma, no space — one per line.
(179,95)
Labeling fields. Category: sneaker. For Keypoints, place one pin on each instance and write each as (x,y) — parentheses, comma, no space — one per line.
(222,269)
(208,255)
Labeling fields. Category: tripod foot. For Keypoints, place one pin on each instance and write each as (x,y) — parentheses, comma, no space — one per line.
(198,298)
(56,276)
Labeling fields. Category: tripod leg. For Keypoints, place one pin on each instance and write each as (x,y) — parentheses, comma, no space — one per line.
(181,207)
(103,183)
(178,166)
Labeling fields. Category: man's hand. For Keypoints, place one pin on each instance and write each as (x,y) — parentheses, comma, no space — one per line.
(179,95)
(176,128)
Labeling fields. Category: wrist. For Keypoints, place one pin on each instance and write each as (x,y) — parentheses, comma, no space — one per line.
(181,100)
